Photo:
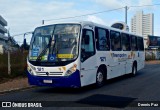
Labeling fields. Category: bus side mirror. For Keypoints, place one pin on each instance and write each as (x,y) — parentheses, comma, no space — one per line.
(82,54)
(82,50)
(86,39)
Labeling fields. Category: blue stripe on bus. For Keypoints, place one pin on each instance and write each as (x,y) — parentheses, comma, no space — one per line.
(61,81)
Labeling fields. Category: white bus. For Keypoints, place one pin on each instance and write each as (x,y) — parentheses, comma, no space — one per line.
(82,53)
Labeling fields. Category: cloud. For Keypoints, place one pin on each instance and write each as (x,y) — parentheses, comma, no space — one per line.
(122,3)
(24,15)
(95,19)
(112,4)
(143,2)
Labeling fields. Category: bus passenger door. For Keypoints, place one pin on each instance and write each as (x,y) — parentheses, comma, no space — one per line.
(88,58)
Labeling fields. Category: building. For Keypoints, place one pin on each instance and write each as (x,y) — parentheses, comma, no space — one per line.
(3,30)
(143,25)
(5,40)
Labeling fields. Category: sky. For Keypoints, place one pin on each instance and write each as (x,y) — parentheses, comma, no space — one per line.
(25,15)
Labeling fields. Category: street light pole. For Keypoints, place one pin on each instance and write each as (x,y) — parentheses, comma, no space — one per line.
(24,39)
(126,8)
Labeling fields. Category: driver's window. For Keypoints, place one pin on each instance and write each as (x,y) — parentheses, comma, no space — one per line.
(87,45)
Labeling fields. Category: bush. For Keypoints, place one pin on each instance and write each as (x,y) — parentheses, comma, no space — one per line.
(18,64)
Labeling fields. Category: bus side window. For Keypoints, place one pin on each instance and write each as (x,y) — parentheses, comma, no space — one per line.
(133,43)
(102,36)
(140,44)
(87,44)
(115,40)
(125,42)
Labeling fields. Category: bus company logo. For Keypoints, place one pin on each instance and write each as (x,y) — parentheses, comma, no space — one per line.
(47,73)
(132,55)
(118,55)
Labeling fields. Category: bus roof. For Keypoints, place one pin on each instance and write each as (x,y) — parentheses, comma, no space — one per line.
(83,23)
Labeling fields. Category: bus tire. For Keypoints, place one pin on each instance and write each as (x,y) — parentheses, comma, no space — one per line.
(100,78)
(134,70)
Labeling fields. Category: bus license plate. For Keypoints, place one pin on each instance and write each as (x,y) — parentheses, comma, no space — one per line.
(47,81)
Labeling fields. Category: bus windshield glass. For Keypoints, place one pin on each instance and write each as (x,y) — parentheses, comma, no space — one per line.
(55,43)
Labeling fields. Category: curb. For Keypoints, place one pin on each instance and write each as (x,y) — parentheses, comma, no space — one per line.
(16,89)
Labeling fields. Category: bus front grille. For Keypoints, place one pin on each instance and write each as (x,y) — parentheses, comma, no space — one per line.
(49,73)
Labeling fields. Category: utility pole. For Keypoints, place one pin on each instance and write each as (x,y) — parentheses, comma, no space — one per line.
(9,62)
(126,8)
(42,22)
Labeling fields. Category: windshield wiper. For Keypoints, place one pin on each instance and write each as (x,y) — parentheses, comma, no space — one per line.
(40,55)
(45,49)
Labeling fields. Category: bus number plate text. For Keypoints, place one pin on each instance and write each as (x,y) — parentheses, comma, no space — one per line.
(47,81)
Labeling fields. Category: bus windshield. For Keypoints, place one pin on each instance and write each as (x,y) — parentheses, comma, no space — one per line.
(55,43)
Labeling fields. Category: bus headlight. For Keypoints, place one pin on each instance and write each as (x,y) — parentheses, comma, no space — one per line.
(71,70)
(29,70)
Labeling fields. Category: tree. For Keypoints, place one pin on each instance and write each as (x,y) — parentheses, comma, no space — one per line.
(25,45)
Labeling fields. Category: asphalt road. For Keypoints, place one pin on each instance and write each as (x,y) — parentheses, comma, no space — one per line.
(120,93)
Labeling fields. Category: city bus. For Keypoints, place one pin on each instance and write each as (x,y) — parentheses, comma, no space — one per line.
(82,53)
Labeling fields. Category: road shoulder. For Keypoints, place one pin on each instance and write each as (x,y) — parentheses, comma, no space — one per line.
(14,84)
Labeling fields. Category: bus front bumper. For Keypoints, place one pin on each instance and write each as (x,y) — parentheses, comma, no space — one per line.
(64,81)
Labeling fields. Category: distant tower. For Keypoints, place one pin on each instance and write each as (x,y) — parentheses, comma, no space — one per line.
(143,24)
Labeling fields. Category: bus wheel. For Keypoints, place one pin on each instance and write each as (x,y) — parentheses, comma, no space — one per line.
(100,78)
(134,70)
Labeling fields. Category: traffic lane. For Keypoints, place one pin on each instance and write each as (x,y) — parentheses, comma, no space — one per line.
(145,86)
(132,86)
